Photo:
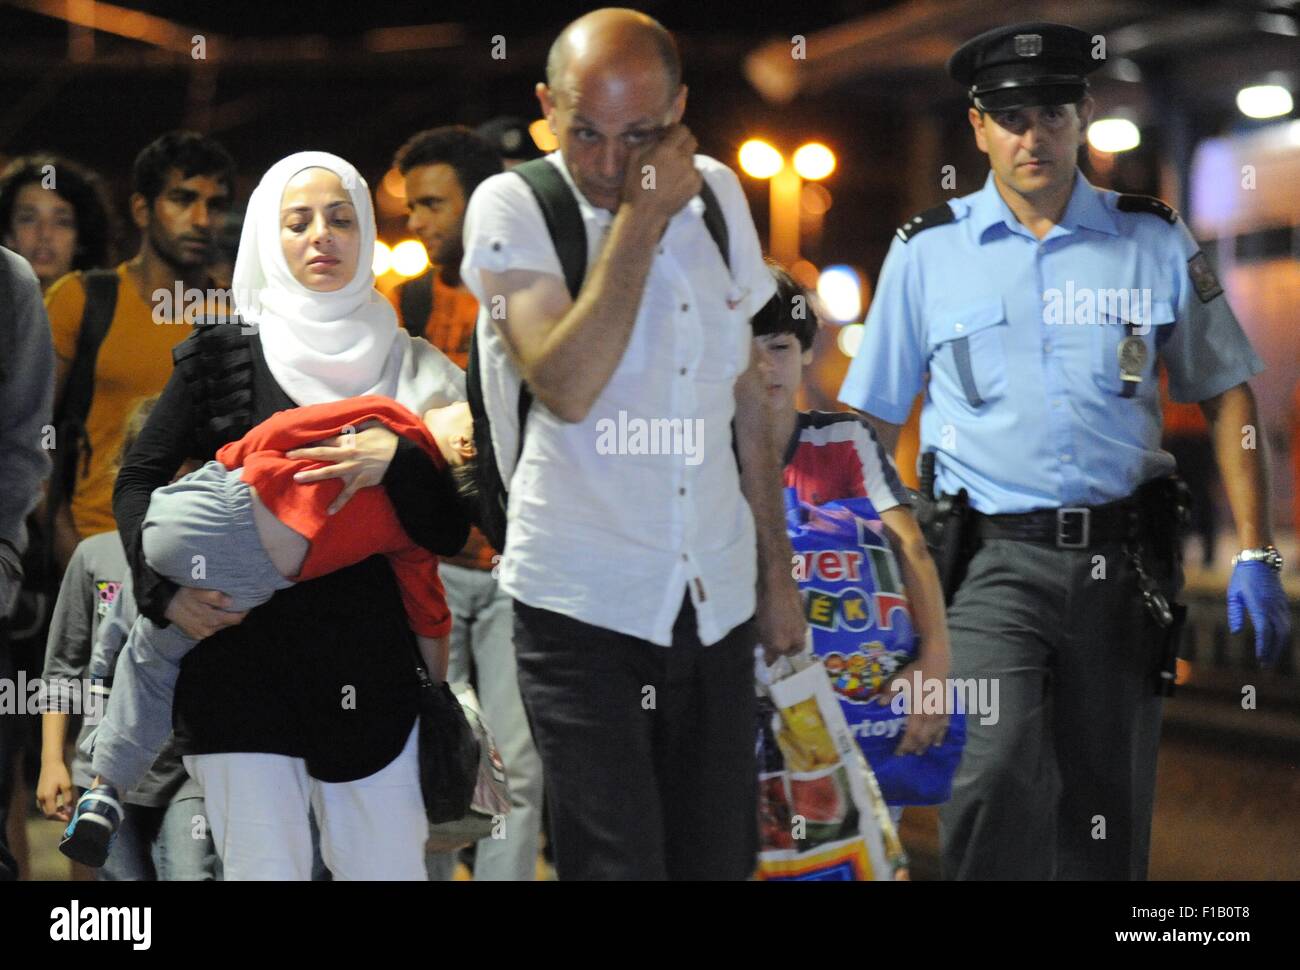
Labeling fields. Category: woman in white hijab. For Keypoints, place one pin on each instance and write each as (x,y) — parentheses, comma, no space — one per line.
(308,700)
(303,276)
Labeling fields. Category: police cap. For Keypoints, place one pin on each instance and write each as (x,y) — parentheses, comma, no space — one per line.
(510,137)
(1025,65)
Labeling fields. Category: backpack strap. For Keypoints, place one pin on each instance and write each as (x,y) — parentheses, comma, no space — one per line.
(416,300)
(715,222)
(96,317)
(569,235)
(217,361)
(79,387)
(563,218)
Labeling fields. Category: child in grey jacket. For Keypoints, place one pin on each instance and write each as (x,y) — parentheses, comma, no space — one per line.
(164,833)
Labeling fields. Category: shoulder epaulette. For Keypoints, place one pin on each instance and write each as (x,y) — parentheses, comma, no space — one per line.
(938,215)
(1146,203)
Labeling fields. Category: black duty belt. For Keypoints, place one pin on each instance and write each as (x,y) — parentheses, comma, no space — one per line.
(1078,527)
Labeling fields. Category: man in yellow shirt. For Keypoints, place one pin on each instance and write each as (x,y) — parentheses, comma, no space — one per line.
(183,184)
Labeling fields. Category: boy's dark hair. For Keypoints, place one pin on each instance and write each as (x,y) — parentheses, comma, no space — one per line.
(472,156)
(791,310)
(465,480)
(83,188)
(189,152)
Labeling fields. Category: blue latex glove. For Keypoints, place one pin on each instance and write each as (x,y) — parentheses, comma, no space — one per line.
(1256,588)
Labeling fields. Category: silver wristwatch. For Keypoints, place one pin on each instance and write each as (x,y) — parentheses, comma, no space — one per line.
(1268,555)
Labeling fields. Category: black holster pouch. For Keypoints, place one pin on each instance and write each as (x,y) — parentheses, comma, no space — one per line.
(948,524)
(1164,510)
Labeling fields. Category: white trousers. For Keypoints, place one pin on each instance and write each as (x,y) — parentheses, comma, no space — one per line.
(372,828)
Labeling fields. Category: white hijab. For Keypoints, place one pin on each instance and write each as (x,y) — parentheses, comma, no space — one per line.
(321,347)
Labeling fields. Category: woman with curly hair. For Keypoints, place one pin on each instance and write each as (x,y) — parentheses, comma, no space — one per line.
(56,214)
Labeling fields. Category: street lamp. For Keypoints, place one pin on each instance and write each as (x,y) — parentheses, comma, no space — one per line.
(759,159)
(814,161)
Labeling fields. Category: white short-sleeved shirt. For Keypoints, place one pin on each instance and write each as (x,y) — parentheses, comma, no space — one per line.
(613,518)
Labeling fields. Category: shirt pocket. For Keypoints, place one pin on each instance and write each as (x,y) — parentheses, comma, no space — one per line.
(728,338)
(1113,328)
(968,349)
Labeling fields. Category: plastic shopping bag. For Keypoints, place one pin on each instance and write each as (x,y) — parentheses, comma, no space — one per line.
(862,630)
(490,803)
(821,815)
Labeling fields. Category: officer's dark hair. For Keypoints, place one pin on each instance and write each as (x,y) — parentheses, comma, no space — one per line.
(472,156)
(187,151)
(81,187)
(791,310)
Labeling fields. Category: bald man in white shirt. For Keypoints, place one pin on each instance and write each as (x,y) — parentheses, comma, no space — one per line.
(641,580)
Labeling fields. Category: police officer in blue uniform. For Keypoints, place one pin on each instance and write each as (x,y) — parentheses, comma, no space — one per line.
(1039,307)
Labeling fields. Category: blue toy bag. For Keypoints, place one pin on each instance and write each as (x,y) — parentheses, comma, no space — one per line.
(862,630)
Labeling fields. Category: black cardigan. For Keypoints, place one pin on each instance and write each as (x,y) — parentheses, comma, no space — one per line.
(325,669)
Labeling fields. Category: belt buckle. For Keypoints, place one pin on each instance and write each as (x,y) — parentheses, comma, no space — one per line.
(1064,527)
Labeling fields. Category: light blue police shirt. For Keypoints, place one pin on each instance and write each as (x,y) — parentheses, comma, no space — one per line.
(1021,338)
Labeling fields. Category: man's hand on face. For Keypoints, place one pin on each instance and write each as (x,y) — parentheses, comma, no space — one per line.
(661,178)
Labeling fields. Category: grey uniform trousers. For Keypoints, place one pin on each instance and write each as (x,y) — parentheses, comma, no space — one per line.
(1062,785)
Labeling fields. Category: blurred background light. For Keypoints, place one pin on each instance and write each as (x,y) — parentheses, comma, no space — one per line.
(1113,135)
(410,258)
(394,184)
(815,199)
(814,161)
(849,339)
(543,138)
(759,160)
(840,291)
(805,274)
(1264,101)
(383,260)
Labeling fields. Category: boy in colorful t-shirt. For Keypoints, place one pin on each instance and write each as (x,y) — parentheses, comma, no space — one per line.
(835,455)
(241,524)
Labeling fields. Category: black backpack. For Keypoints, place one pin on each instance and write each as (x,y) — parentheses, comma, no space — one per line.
(71,452)
(569,236)
(415,297)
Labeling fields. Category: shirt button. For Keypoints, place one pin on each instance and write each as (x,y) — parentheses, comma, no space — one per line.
(960,327)
(1065,457)
(685,307)
(681,491)
(683,372)
(1056,404)
(1047,346)
(685,558)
